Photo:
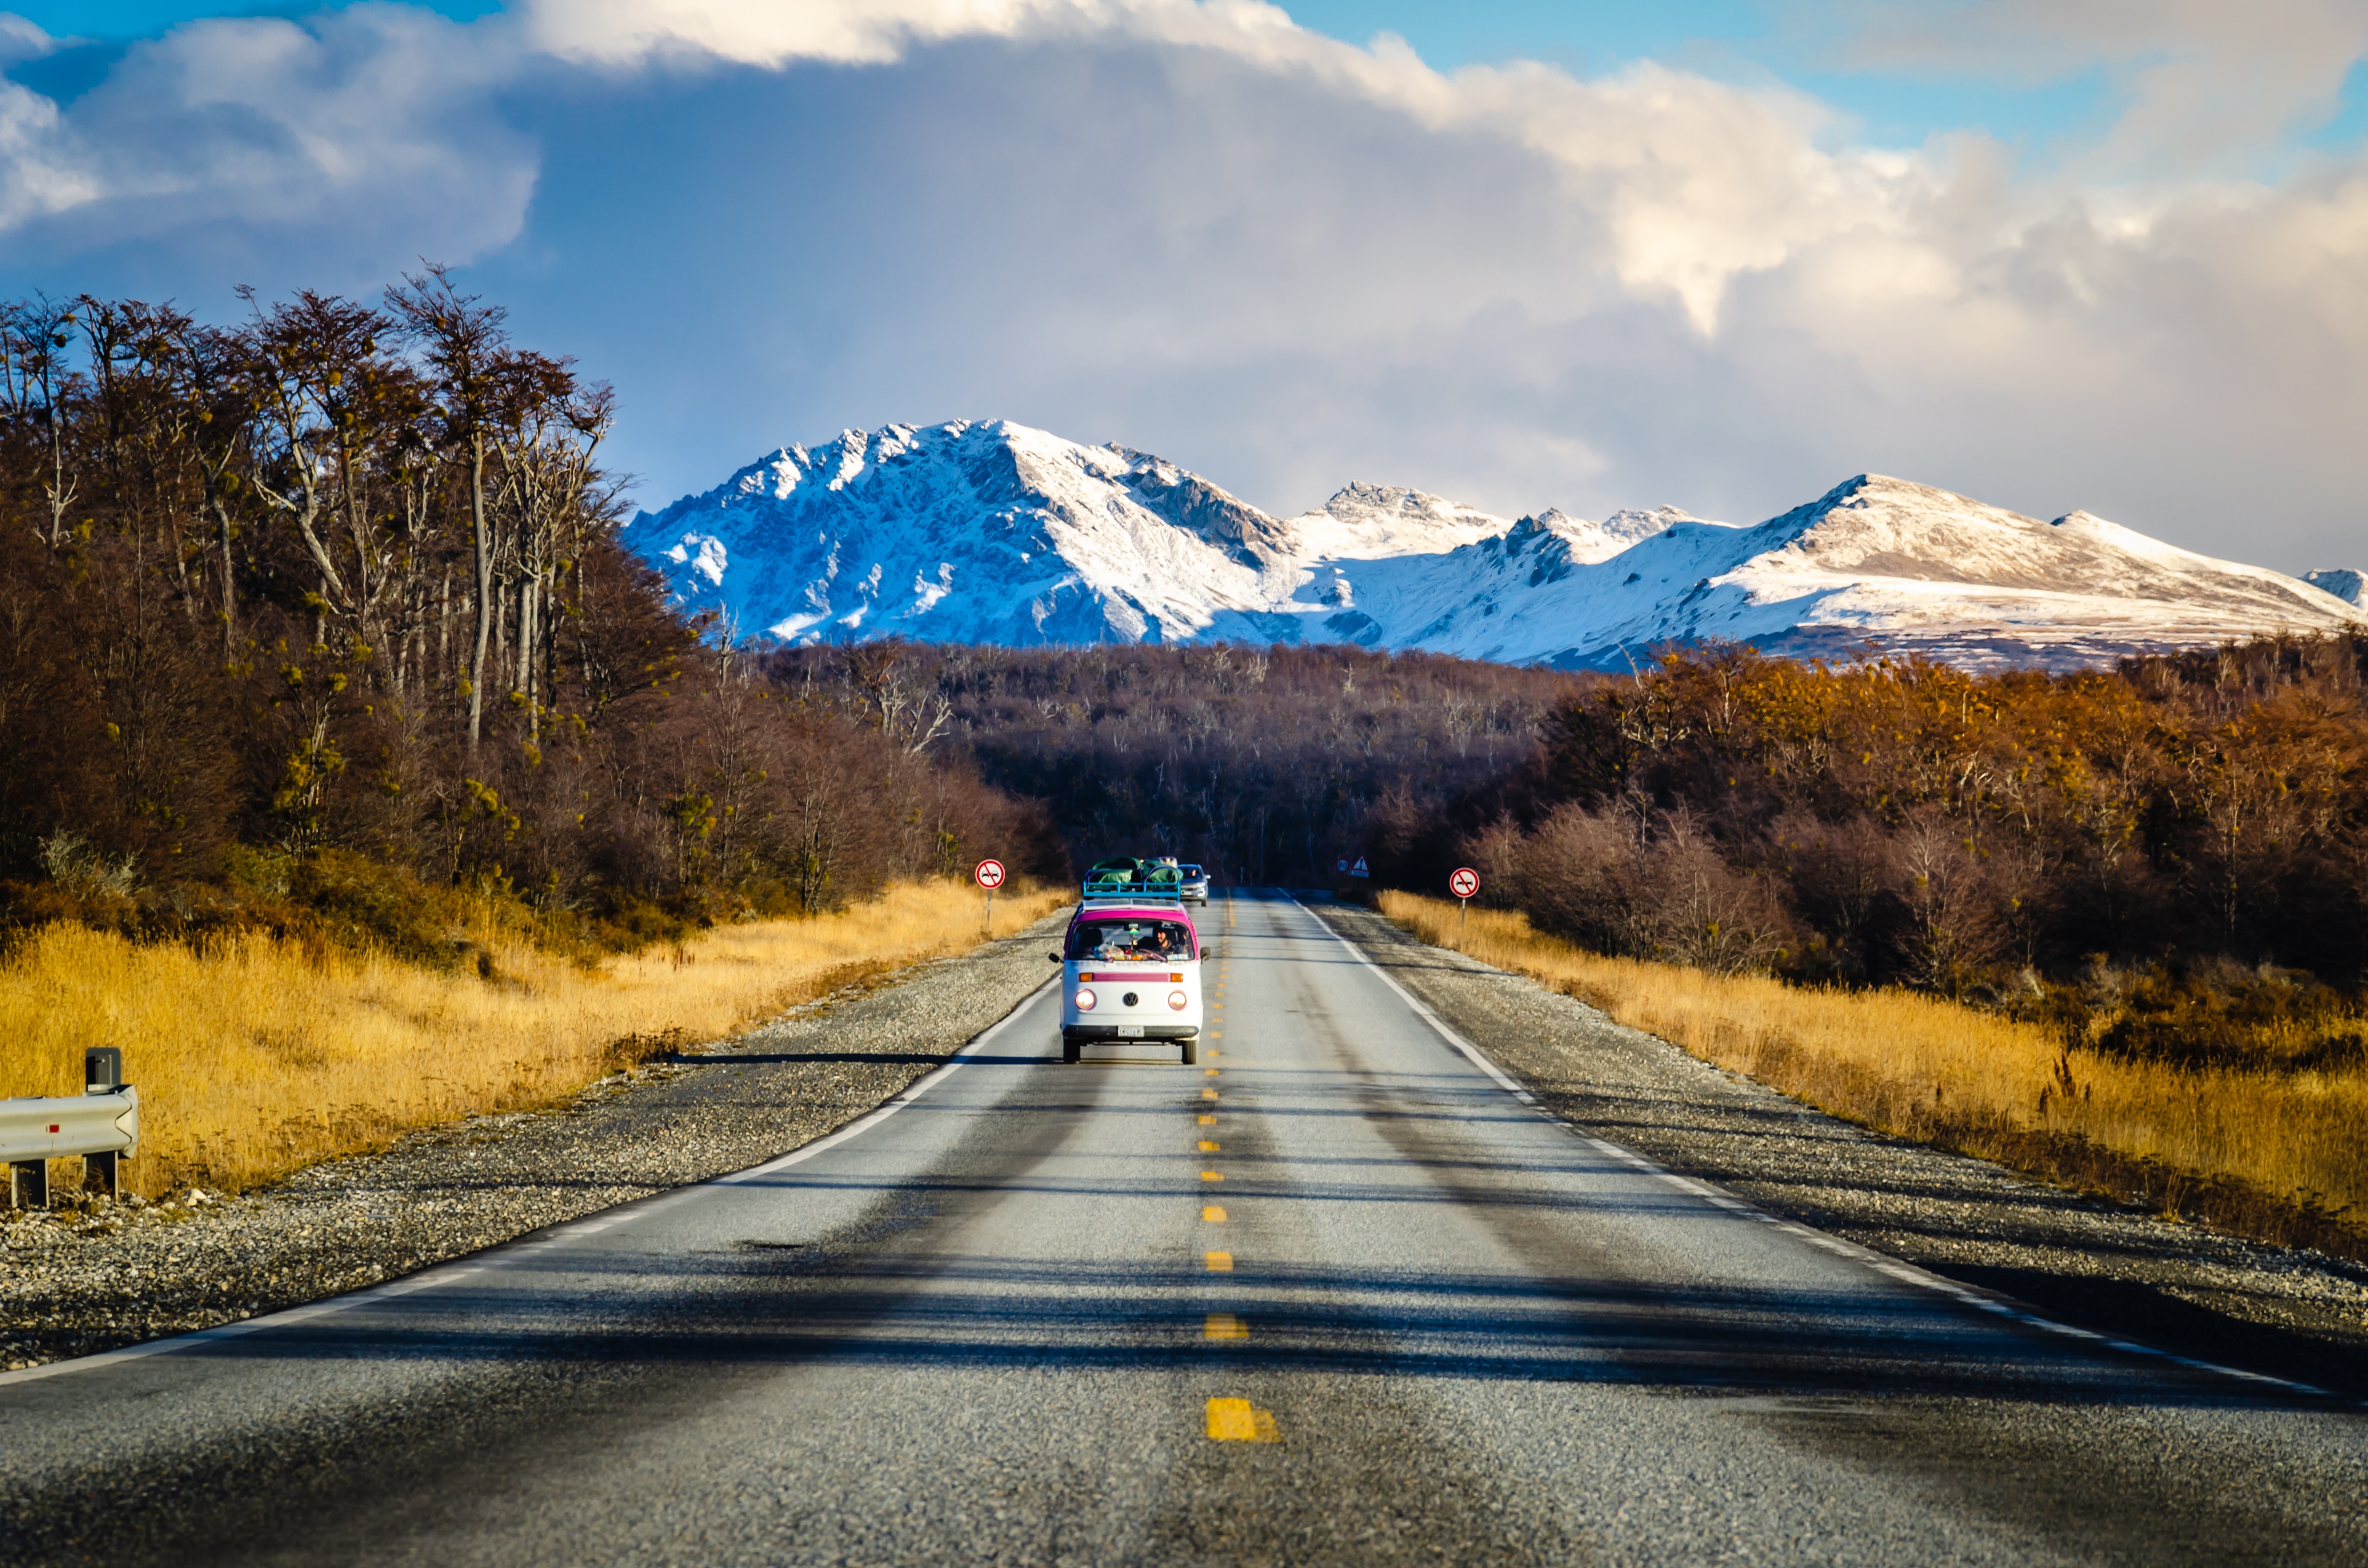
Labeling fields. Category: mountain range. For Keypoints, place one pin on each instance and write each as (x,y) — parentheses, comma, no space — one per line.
(998,533)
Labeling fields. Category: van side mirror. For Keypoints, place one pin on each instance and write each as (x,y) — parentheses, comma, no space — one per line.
(1054,957)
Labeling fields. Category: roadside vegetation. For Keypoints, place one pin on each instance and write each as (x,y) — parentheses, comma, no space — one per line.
(257,1054)
(2264,1149)
(355,775)
(1904,823)
(308,622)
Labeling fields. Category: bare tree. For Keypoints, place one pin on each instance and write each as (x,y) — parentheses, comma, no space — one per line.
(467,349)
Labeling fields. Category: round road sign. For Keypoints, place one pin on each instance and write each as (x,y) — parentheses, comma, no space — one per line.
(989,874)
(1464,882)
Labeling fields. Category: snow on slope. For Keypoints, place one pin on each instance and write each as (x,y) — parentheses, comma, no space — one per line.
(960,532)
(998,533)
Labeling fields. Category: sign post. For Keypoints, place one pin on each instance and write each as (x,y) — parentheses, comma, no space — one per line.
(1464,884)
(990,876)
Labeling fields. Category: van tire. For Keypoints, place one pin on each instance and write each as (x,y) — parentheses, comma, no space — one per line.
(1191,1050)
(1070,1050)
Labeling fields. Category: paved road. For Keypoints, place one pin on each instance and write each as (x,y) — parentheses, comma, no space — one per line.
(1424,1324)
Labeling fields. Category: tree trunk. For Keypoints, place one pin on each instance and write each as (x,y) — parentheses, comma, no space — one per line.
(230,581)
(527,587)
(485,589)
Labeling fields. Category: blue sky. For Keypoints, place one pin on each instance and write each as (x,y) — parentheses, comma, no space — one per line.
(1735,40)
(1724,254)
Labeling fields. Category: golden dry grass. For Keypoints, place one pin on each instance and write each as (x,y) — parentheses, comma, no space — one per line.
(1921,1067)
(257,1055)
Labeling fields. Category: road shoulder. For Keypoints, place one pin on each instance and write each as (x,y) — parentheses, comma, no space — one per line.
(80,1282)
(2285,1312)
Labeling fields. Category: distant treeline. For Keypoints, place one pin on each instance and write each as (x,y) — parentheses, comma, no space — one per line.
(1892,820)
(1267,765)
(339,588)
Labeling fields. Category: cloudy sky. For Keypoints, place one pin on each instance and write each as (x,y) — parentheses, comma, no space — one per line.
(1724,254)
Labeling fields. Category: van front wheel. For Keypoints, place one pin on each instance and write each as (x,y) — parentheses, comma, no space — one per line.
(1191,1050)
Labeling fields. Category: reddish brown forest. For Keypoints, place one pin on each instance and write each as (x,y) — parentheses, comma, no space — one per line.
(309,611)
(2186,837)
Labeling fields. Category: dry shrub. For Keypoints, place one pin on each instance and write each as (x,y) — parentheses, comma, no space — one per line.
(1633,880)
(2276,1156)
(257,1054)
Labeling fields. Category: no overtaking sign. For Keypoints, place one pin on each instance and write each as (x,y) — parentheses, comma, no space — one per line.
(989,874)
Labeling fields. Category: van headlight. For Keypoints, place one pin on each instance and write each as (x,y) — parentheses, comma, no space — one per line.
(1085,1000)
(1178,1000)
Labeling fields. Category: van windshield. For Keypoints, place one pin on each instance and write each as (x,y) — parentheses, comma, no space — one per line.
(1130,938)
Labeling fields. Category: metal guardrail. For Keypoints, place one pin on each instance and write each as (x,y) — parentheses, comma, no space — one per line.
(101,1124)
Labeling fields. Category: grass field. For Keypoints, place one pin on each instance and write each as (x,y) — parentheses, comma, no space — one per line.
(255,1056)
(2276,1156)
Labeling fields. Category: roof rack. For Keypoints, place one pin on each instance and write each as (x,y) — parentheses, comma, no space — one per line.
(1160,884)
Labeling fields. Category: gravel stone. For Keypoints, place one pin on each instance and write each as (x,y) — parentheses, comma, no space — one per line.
(77,1281)
(2286,1312)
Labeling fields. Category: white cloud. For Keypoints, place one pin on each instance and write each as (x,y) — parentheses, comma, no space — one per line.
(1282,259)
(2205,82)
(373,131)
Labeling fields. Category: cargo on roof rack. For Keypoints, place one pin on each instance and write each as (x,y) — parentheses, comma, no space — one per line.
(1125,876)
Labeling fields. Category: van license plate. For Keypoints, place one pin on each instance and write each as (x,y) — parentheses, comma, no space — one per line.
(1130,1031)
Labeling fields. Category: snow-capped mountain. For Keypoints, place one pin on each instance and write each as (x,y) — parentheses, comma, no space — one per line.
(998,533)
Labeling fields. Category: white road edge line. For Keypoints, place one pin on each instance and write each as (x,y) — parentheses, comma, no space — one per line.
(1906,1273)
(920,1086)
(477,1262)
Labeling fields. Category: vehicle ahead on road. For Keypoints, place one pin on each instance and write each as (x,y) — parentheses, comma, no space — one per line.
(1195,883)
(1130,971)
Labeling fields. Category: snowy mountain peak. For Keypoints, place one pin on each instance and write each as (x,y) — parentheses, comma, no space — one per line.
(1360,501)
(1602,541)
(997,532)
(2342,582)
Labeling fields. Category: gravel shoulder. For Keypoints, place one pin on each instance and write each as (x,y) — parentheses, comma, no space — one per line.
(2281,1310)
(76,1282)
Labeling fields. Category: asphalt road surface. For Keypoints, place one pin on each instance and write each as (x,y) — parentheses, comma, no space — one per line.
(1337,1295)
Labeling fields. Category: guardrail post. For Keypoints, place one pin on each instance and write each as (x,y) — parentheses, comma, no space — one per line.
(102,1074)
(28,1184)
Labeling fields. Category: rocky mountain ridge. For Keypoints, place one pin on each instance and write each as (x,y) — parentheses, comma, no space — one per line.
(997,532)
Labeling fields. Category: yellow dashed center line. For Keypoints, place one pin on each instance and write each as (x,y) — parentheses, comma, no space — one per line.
(1229,1420)
(1239,1421)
